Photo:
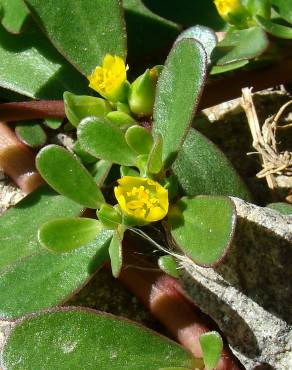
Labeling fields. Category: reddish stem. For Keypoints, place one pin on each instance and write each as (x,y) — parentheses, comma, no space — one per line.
(165,298)
(17,161)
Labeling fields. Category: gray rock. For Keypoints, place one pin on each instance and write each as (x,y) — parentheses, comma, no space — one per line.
(250,294)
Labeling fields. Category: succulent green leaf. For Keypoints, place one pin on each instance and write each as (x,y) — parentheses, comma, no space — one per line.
(65,234)
(128,171)
(82,154)
(121,119)
(103,139)
(31,133)
(201,168)
(168,265)
(203,227)
(240,45)
(15,15)
(274,29)
(109,216)
(139,139)
(31,54)
(116,254)
(155,163)
(100,171)
(81,338)
(284,8)
(46,279)
(64,173)
(53,123)
(179,88)
(78,107)
(205,35)
(26,217)
(284,208)
(82,30)
(212,345)
(228,67)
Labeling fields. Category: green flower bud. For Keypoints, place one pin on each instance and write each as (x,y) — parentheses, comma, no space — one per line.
(109,216)
(142,94)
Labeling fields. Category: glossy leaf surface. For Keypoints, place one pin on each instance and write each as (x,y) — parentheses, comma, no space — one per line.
(139,139)
(178,91)
(53,123)
(31,134)
(15,15)
(103,139)
(168,265)
(205,35)
(239,45)
(212,345)
(31,54)
(78,338)
(201,168)
(275,29)
(46,279)
(82,30)
(26,217)
(65,234)
(64,173)
(203,227)
(78,107)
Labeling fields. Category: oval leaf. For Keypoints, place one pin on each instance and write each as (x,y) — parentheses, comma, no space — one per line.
(64,173)
(212,345)
(65,234)
(274,29)
(116,254)
(240,45)
(168,265)
(79,338)
(46,279)
(284,8)
(82,30)
(105,140)
(78,107)
(202,168)
(15,15)
(26,217)
(31,134)
(203,227)
(178,91)
(31,54)
(139,139)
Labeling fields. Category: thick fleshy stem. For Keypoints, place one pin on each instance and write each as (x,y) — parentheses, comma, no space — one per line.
(167,301)
(18,161)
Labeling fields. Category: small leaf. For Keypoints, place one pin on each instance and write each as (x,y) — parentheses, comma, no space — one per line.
(201,168)
(284,8)
(121,119)
(212,345)
(205,35)
(178,91)
(105,140)
(82,154)
(203,227)
(53,123)
(78,107)
(64,234)
(155,163)
(81,338)
(15,15)
(109,216)
(83,30)
(116,254)
(274,29)
(284,208)
(128,171)
(46,279)
(228,67)
(26,217)
(64,173)
(100,171)
(168,265)
(240,45)
(31,134)
(139,139)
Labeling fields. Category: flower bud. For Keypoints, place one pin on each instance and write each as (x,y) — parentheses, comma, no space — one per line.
(109,216)
(233,12)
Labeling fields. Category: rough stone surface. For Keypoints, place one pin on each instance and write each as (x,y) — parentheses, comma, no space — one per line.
(250,294)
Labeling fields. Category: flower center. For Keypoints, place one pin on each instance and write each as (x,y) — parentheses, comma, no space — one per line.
(140,200)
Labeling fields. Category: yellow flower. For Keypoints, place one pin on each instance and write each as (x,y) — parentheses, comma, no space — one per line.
(225,7)
(142,198)
(109,80)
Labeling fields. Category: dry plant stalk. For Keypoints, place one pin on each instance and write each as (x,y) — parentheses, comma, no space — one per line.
(273,161)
